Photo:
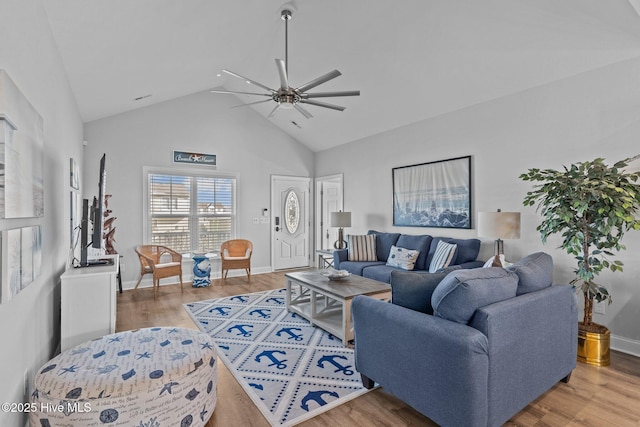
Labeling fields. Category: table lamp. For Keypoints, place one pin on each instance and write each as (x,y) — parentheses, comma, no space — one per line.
(499,225)
(340,219)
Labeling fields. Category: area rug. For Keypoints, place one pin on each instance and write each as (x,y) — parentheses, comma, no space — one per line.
(290,369)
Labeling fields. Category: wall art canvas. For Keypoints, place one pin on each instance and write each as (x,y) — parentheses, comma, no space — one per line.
(21,154)
(194,158)
(21,259)
(435,194)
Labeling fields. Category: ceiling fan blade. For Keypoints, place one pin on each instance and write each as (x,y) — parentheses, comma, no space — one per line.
(251,103)
(240,93)
(282,72)
(248,80)
(273,111)
(322,79)
(322,104)
(302,111)
(330,94)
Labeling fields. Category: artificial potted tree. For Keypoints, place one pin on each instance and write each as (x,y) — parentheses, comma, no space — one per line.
(592,205)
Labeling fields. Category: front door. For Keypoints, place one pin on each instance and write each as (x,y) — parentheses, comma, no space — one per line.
(290,223)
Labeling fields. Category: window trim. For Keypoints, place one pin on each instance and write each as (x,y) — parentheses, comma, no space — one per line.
(146,170)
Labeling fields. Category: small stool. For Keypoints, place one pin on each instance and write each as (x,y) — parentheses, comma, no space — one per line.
(147,377)
(201,270)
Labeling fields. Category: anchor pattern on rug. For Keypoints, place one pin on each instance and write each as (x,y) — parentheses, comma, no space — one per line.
(290,368)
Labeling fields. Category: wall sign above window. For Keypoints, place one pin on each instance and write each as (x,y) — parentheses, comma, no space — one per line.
(194,158)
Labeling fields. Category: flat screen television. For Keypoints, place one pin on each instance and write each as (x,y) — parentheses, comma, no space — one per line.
(97,218)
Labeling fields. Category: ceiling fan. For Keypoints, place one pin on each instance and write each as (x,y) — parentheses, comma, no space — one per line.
(285,96)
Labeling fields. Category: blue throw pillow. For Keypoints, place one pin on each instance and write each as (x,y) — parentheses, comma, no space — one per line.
(413,290)
(534,272)
(463,291)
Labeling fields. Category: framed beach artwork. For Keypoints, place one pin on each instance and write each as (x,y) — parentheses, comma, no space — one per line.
(21,259)
(21,154)
(434,194)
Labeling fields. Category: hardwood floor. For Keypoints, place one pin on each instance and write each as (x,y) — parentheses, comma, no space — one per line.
(594,397)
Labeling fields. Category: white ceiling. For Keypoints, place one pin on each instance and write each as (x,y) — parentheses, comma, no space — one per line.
(411,59)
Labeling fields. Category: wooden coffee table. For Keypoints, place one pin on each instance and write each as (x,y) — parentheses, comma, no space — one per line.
(326,303)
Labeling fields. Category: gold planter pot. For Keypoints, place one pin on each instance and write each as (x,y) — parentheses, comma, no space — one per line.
(593,347)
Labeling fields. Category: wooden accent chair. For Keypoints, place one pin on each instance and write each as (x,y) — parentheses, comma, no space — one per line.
(152,262)
(236,254)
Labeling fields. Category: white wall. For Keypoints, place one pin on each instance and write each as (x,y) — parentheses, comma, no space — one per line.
(244,142)
(590,115)
(30,321)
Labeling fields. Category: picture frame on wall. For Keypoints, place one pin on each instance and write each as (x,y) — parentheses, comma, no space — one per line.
(434,194)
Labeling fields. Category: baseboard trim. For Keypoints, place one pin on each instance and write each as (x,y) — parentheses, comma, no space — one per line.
(147,282)
(625,345)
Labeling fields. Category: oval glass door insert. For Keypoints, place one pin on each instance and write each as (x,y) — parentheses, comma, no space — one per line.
(292,212)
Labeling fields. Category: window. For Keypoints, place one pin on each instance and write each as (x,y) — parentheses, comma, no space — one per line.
(190,213)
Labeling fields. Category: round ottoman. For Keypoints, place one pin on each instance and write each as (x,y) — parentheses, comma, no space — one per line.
(151,377)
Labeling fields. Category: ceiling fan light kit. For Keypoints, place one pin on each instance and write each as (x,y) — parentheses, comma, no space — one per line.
(287,97)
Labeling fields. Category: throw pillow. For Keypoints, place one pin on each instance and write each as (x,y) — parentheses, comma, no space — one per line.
(535,272)
(462,292)
(414,290)
(362,248)
(442,257)
(402,258)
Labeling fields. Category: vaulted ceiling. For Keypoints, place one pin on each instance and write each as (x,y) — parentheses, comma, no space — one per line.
(411,59)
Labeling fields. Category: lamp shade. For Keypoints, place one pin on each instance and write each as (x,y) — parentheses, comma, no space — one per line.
(499,225)
(340,219)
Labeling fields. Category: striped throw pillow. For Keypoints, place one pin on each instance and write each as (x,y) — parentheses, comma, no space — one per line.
(362,248)
(443,256)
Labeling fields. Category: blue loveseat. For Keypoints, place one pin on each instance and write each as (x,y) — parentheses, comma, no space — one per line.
(464,256)
(495,340)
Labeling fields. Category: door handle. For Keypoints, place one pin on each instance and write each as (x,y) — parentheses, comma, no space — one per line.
(277,228)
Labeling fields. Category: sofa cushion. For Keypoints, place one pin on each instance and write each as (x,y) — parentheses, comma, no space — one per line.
(402,258)
(357,267)
(380,272)
(420,243)
(467,250)
(362,248)
(442,257)
(461,292)
(384,241)
(414,290)
(534,272)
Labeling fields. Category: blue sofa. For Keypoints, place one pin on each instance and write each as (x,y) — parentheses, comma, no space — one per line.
(464,257)
(497,339)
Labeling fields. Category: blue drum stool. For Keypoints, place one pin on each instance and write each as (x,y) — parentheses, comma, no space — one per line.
(201,271)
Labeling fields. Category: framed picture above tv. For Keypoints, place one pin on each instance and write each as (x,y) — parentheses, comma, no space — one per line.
(434,194)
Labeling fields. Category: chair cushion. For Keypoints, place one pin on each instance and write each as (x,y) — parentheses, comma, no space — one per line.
(402,258)
(235,258)
(384,241)
(414,290)
(420,243)
(462,292)
(534,272)
(442,256)
(362,248)
(167,264)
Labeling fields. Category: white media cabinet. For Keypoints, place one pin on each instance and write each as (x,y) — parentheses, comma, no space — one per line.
(88,303)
